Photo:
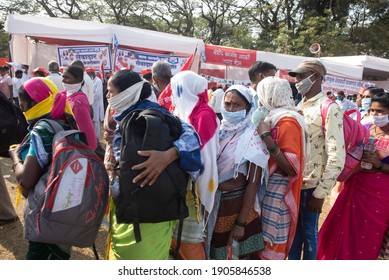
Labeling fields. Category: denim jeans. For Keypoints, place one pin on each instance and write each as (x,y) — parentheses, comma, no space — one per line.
(306,232)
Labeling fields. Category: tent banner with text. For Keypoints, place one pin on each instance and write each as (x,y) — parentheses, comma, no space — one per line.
(229,56)
(137,61)
(91,56)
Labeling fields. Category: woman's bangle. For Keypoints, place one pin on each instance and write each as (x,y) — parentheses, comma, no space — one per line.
(274,148)
(178,151)
(240,224)
(16,163)
(265,134)
(279,151)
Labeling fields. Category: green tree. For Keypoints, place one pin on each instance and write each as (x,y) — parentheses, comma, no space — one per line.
(341,27)
(4,43)
(368,27)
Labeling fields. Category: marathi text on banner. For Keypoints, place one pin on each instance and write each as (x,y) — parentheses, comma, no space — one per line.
(137,61)
(229,56)
(350,87)
(91,56)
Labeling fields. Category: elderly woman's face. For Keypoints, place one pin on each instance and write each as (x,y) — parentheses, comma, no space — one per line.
(233,102)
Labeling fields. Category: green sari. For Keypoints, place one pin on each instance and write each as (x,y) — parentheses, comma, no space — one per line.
(155,244)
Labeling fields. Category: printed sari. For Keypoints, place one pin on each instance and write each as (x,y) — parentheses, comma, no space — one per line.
(238,148)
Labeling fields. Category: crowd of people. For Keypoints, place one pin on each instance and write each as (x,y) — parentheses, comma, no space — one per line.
(259,166)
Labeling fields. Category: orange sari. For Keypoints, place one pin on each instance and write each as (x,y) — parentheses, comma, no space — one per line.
(288,136)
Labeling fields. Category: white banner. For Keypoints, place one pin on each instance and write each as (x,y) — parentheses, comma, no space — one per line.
(91,56)
(225,81)
(350,87)
(137,61)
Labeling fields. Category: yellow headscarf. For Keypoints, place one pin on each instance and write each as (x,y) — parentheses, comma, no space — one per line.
(44,92)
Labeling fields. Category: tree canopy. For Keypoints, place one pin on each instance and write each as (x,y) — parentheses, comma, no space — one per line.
(341,27)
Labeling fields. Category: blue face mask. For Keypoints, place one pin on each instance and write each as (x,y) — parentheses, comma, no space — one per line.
(233,117)
(339,98)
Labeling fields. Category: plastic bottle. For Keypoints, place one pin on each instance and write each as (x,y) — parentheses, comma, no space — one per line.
(357,152)
(370,147)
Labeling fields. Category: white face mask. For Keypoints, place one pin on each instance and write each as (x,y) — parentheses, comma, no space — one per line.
(305,85)
(127,98)
(72,88)
(366,103)
(380,121)
(233,117)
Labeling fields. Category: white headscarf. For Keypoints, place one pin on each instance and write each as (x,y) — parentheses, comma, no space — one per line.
(187,88)
(226,126)
(245,91)
(249,147)
(275,95)
(126,98)
(191,85)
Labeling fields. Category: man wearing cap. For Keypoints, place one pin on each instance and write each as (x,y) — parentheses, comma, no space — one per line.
(54,74)
(216,101)
(327,155)
(39,72)
(147,75)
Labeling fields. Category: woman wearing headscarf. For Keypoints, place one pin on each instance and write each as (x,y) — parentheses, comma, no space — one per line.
(127,92)
(235,220)
(285,135)
(73,80)
(39,100)
(189,97)
(357,226)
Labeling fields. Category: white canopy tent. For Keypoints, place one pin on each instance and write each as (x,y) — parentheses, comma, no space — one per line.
(372,66)
(35,39)
(334,68)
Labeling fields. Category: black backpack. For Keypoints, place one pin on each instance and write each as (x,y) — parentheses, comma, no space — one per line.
(163,201)
(13,125)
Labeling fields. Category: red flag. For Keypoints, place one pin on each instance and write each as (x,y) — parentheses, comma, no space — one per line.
(101,71)
(165,98)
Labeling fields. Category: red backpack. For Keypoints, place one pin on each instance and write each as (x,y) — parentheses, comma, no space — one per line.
(354,134)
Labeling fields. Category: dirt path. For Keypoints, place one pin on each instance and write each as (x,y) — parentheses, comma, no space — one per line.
(13,246)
